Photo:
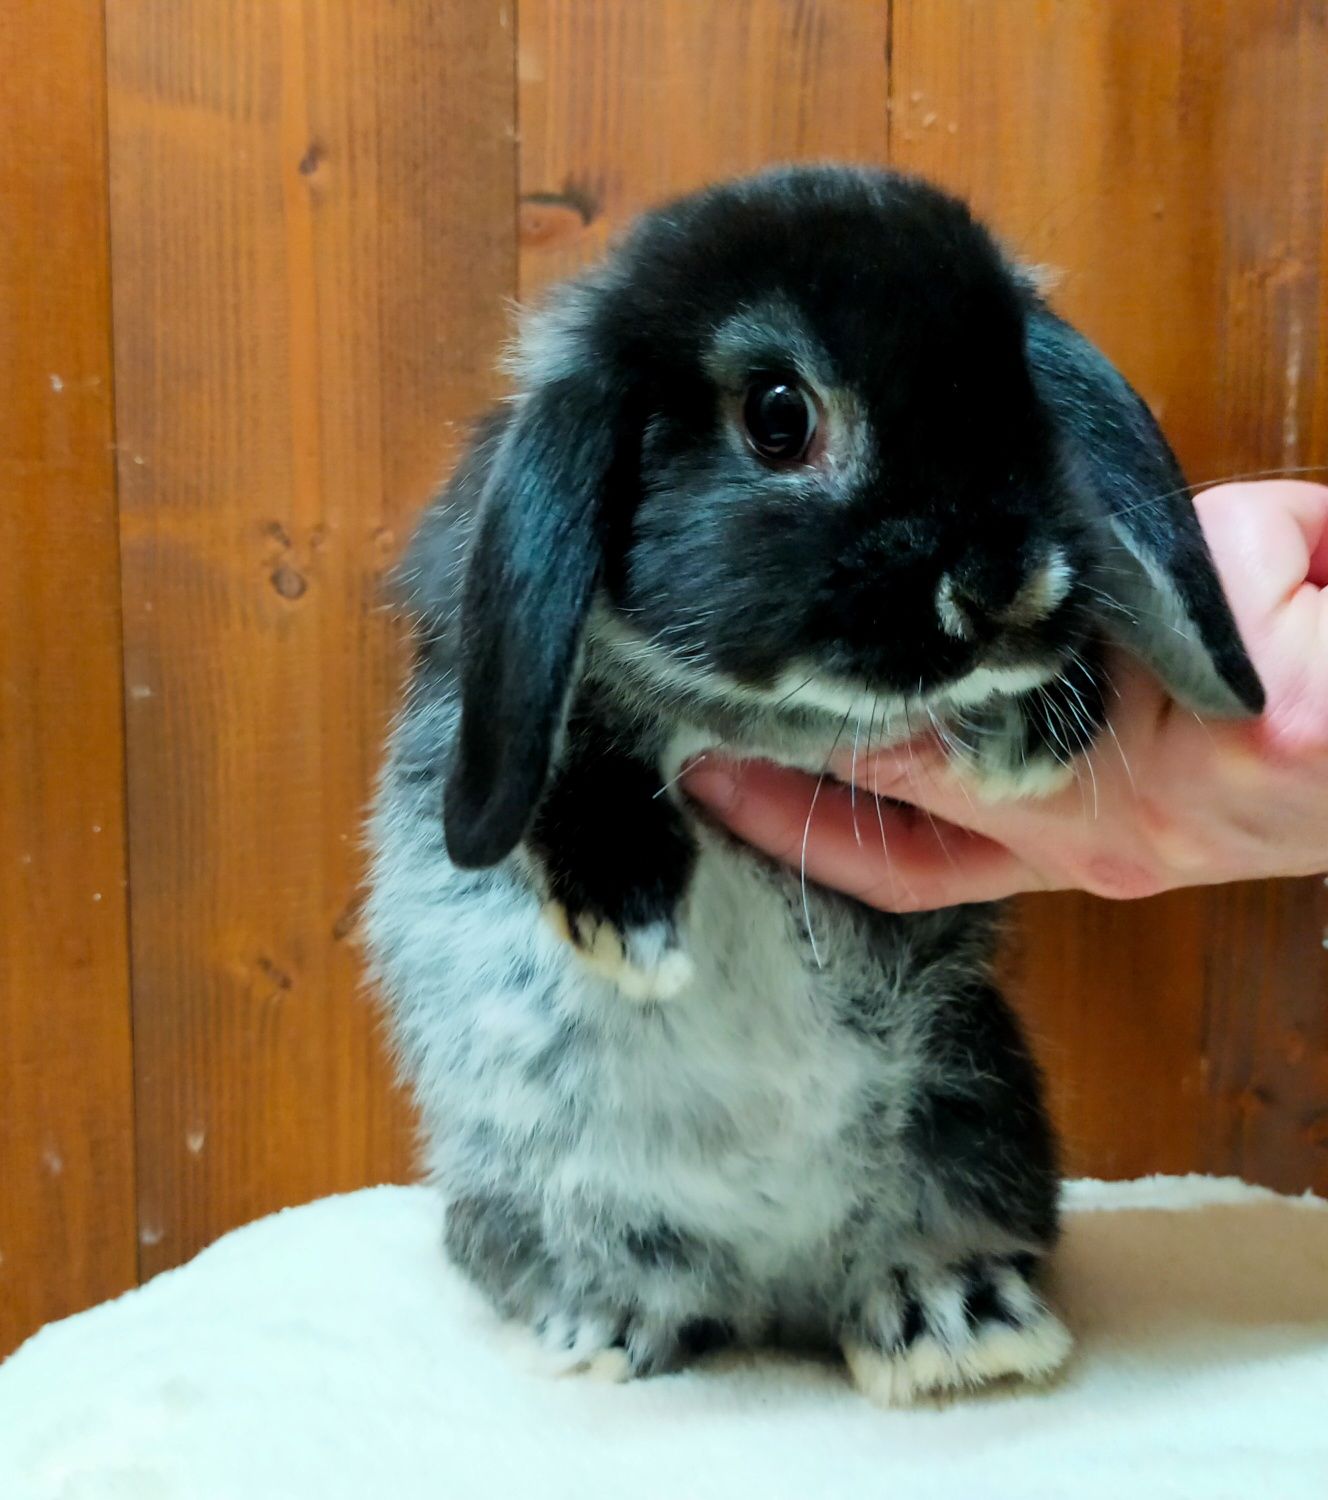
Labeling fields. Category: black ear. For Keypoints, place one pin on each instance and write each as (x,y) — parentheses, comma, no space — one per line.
(533,562)
(1166,602)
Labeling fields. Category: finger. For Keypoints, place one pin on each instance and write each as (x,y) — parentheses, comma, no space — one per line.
(1267,539)
(1317,573)
(928,781)
(883,855)
(1311,511)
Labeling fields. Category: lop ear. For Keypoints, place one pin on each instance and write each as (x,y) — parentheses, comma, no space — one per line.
(534,558)
(1164,597)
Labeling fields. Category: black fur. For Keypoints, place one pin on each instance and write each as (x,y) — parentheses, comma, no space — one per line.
(1000,433)
(987,506)
(534,561)
(1115,440)
(985,1136)
(611,846)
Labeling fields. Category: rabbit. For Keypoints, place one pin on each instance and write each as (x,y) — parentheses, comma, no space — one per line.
(807,459)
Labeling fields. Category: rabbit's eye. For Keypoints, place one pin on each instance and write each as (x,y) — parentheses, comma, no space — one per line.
(779,418)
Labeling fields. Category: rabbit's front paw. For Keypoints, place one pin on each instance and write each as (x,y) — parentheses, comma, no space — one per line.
(926,1334)
(645,963)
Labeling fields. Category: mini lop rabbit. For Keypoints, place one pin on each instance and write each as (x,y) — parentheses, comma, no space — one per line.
(806,462)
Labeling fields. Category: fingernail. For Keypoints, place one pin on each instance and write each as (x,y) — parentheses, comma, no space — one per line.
(712,782)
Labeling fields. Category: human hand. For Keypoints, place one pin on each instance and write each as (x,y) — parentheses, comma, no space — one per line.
(1164,800)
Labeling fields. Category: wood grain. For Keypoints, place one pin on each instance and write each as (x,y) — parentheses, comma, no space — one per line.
(1169,159)
(312,216)
(66,1100)
(622,104)
(316,213)
(1264,1062)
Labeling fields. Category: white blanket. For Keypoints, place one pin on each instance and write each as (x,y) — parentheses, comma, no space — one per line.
(326,1352)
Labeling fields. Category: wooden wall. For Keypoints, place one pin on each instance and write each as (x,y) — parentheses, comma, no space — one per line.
(255,264)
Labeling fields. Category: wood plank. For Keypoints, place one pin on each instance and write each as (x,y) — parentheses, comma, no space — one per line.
(1266,1022)
(1265,1060)
(1168,156)
(66,1097)
(622,104)
(1114,996)
(313,239)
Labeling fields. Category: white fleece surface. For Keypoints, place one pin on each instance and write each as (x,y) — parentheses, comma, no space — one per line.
(327,1352)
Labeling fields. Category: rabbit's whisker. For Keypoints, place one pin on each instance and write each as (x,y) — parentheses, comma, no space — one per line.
(853,781)
(1281,472)
(806,834)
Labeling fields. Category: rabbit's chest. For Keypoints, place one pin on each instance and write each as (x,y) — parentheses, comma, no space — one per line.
(741,1102)
(737,1108)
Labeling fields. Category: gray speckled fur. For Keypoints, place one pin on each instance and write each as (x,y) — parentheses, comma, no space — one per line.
(755,1125)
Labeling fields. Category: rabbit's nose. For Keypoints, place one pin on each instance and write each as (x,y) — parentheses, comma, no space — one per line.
(973,600)
(955,610)
(972,596)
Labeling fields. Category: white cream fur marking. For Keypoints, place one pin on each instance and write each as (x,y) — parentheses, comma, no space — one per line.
(846,700)
(952,618)
(799,687)
(929,1367)
(651,969)
(1043,591)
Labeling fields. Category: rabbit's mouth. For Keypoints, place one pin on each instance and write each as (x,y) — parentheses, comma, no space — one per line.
(1011,729)
(806,687)
(1008,732)
(802,687)
(1000,756)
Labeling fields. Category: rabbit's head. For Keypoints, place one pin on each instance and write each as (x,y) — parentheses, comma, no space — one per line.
(806,443)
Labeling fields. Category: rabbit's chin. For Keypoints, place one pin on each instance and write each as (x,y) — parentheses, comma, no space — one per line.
(986,726)
(802,686)
(1010,731)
